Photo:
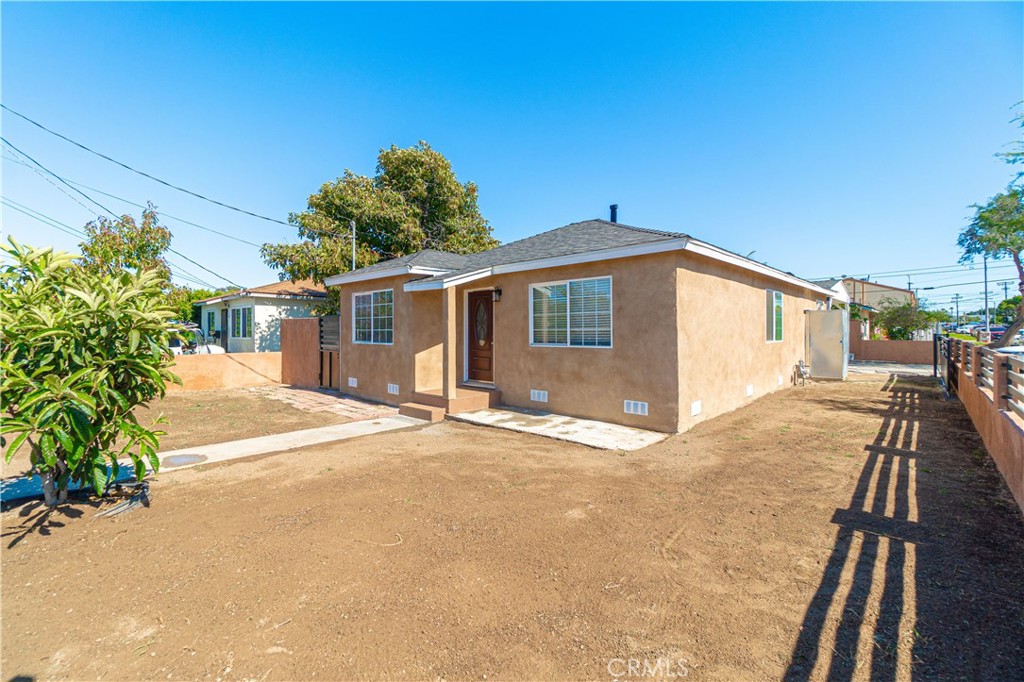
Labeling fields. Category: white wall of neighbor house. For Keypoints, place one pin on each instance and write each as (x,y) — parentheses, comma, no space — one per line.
(265,327)
(267,320)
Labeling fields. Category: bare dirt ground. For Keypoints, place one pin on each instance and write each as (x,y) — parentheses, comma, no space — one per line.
(837,531)
(204,417)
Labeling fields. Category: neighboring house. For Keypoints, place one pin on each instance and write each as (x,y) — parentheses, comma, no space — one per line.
(867,297)
(249,320)
(595,319)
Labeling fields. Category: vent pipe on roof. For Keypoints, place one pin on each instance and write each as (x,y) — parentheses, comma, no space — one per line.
(615,213)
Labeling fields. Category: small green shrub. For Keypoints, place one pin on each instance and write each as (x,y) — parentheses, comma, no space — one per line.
(80,350)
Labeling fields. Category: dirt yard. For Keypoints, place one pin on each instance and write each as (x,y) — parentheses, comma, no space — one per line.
(837,531)
(204,417)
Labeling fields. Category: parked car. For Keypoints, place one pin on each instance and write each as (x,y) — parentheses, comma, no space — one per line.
(191,340)
(996,332)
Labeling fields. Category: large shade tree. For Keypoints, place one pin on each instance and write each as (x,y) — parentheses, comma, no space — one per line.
(413,202)
(997,231)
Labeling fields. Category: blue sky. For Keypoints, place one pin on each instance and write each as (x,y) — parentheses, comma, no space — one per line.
(826,138)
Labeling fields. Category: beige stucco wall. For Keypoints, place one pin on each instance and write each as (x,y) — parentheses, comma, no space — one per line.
(684,328)
(721,336)
(590,382)
(872,294)
(417,345)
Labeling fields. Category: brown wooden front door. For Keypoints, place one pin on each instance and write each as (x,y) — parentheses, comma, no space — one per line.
(481,336)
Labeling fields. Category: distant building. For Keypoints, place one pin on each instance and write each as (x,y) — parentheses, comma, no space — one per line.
(249,320)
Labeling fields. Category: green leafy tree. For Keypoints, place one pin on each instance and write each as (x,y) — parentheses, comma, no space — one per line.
(80,350)
(182,299)
(900,319)
(1016,155)
(413,202)
(997,231)
(113,245)
(1007,309)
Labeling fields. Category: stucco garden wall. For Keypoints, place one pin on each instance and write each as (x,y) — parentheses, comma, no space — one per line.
(907,352)
(300,352)
(226,370)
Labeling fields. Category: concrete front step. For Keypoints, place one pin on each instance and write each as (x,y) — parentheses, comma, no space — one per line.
(430,413)
(466,399)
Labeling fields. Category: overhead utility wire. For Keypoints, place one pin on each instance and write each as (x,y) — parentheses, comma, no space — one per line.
(114,215)
(171,185)
(8,143)
(137,205)
(142,173)
(67,229)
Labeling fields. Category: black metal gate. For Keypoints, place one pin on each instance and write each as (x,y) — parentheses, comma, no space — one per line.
(330,347)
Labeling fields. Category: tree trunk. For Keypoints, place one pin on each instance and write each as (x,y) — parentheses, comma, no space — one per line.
(1007,338)
(49,493)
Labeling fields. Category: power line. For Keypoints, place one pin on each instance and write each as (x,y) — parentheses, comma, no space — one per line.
(113,215)
(7,142)
(132,203)
(182,189)
(142,173)
(68,229)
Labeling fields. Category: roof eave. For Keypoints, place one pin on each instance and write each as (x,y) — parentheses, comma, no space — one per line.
(719,254)
(357,276)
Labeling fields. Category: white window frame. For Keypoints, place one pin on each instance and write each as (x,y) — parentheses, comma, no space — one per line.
(371,342)
(778,335)
(568,326)
(245,313)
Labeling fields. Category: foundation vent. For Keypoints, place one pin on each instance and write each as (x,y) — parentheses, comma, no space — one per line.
(538,396)
(635,407)
(353,382)
(393,389)
(695,408)
(750,390)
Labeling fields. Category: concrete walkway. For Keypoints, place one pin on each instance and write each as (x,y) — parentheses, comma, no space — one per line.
(24,487)
(584,431)
(236,449)
(874,367)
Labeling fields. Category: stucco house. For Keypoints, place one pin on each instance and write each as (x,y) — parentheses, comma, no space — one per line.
(249,320)
(866,296)
(595,319)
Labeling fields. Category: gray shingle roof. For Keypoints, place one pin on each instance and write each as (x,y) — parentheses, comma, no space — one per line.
(827,283)
(428,258)
(582,237)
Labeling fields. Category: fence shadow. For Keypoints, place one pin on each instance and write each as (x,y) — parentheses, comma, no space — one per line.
(927,571)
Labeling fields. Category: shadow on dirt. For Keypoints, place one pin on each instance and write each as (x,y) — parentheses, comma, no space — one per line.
(927,570)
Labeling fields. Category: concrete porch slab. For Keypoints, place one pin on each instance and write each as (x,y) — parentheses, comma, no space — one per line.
(588,432)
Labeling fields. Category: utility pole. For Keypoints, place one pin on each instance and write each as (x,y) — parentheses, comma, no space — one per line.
(956,302)
(1006,293)
(988,327)
(352,226)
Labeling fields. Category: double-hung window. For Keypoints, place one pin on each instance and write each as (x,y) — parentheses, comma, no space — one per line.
(373,317)
(241,323)
(211,322)
(773,315)
(576,312)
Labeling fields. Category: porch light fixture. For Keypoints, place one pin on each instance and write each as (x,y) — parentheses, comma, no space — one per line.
(496,295)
